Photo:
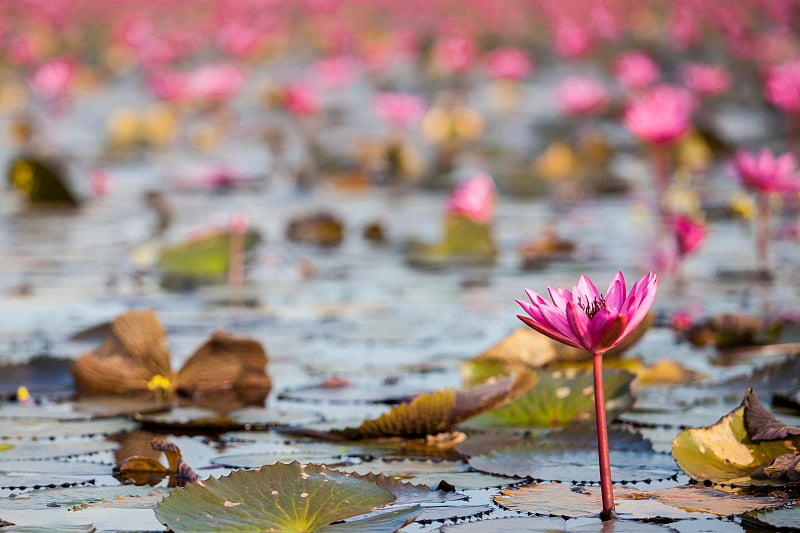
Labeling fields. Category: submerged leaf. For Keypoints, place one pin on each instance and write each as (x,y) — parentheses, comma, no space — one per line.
(141,470)
(725,453)
(436,412)
(280,497)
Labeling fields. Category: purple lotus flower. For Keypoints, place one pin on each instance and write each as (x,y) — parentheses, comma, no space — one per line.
(586,319)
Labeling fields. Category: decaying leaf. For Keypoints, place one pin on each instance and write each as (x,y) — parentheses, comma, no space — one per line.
(440,411)
(762,425)
(135,359)
(725,453)
(140,470)
(41,180)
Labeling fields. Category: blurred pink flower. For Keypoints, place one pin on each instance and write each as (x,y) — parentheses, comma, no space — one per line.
(474,199)
(586,319)
(636,71)
(52,79)
(399,109)
(689,234)
(661,115)
(239,222)
(100,182)
(571,39)
(333,72)
(706,79)
(300,99)
(579,96)
(218,81)
(238,38)
(508,63)
(454,54)
(765,173)
(782,86)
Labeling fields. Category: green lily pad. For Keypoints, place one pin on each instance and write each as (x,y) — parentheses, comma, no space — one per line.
(78,528)
(436,412)
(676,503)
(724,452)
(201,260)
(560,398)
(56,449)
(41,481)
(464,242)
(392,520)
(284,497)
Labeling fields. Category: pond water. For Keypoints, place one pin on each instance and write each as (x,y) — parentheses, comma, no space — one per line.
(362,316)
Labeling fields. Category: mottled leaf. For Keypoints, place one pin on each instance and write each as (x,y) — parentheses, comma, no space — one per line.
(761,424)
(281,497)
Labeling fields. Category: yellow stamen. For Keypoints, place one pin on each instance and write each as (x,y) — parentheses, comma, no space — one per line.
(23,396)
(158,382)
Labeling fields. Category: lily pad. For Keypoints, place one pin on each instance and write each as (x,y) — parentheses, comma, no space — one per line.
(437,412)
(284,497)
(724,452)
(38,429)
(560,398)
(673,503)
(41,180)
(201,260)
(573,465)
(464,242)
(114,496)
(56,449)
(785,519)
(430,473)
(392,520)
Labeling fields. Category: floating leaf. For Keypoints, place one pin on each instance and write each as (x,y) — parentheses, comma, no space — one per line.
(41,180)
(146,470)
(674,503)
(392,520)
(56,449)
(523,346)
(464,242)
(321,228)
(114,496)
(724,453)
(781,519)
(283,497)
(203,259)
(560,398)
(761,424)
(430,473)
(437,412)
(40,429)
(552,463)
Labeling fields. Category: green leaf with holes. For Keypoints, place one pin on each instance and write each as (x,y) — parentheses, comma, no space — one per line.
(561,398)
(281,497)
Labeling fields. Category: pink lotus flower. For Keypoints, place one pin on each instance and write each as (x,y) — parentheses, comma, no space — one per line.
(212,82)
(335,72)
(661,115)
(100,182)
(52,79)
(454,54)
(580,96)
(584,318)
(765,173)
(399,109)
(300,100)
(508,63)
(636,71)
(238,39)
(474,199)
(570,39)
(706,79)
(782,86)
(689,234)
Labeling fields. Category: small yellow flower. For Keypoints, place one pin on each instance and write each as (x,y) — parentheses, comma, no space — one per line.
(158,382)
(743,205)
(23,396)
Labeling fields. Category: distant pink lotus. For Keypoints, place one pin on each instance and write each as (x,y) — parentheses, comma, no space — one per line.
(581,96)
(52,79)
(454,54)
(399,109)
(782,86)
(508,63)
(706,79)
(100,182)
(689,234)
(238,39)
(300,99)
(474,199)
(215,82)
(335,72)
(660,116)
(765,173)
(571,39)
(636,71)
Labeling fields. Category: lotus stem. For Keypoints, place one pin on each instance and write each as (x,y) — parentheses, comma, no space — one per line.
(236,247)
(762,232)
(606,489)
(661,169)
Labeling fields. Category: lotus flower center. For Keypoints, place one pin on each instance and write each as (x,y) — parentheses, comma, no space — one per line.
(592,307)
